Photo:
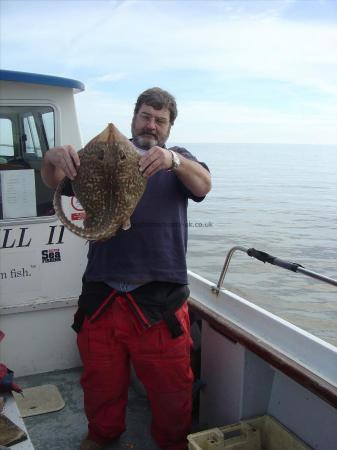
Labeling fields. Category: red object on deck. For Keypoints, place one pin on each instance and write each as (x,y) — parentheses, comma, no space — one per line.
(6,380)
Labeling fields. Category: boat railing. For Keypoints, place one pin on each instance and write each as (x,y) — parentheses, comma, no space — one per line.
(267,258)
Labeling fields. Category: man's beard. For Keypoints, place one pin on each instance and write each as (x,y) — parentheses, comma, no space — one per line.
(146,140)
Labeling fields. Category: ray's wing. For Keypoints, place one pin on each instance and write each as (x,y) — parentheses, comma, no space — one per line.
(89,187)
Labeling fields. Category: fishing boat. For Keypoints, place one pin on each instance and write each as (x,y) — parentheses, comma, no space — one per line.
(253,364)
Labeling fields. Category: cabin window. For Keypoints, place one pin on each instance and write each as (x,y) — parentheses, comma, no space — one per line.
(31,137)
(6,137)
(26,133)
(48,123)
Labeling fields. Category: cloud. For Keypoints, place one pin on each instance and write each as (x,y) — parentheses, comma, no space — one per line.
(144,36)
(117,47)
(221,122)
(215,121)
(96,109)
(111,77)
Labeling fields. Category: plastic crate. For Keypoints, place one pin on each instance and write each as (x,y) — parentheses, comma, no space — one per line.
(259,433)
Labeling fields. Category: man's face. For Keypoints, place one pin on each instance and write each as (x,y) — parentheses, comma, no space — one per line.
(150,127)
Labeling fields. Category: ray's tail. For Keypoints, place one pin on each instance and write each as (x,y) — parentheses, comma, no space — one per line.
(90,234)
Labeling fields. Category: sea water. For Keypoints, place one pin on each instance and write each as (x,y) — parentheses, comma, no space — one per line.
(281,199)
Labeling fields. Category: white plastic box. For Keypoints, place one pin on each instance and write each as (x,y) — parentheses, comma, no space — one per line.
(259,433)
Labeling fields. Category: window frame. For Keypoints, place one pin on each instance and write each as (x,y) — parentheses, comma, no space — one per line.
(57,138)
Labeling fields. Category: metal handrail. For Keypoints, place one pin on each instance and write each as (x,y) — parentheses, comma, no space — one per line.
(265,257)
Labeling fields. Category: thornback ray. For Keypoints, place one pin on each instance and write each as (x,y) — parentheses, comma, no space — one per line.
(108,185)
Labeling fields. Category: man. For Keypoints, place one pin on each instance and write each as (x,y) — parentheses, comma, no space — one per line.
(133,301)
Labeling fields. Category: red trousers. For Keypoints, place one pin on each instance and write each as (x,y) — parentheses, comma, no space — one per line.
(161,363)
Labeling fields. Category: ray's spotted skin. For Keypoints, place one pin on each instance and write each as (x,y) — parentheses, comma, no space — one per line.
(108,185)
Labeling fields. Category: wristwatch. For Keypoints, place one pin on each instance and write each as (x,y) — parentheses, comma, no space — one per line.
(175,161)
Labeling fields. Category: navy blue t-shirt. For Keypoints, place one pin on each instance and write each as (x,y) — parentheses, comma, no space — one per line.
(154,248)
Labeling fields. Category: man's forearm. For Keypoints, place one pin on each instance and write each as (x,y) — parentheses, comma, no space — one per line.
(194,176)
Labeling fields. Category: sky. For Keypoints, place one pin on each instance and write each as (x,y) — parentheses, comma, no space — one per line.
(241,71)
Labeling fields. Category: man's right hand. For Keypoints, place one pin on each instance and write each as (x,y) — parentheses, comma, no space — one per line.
(59,162)
(65,158)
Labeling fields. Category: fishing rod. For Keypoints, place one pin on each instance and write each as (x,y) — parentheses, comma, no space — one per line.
(275,261)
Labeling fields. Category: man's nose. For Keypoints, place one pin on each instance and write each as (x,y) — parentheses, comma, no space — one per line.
(151,123)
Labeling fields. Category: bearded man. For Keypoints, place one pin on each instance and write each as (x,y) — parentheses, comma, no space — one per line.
(133,305)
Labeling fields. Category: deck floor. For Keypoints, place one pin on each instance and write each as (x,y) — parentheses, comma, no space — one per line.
(64,429)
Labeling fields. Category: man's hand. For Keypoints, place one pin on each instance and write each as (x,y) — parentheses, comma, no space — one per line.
(64,158)
(192,174)
(59,162)
(155,159)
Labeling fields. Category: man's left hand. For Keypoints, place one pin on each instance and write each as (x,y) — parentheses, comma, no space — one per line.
(154,160)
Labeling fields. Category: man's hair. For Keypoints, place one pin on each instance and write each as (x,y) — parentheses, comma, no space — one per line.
(158,99)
